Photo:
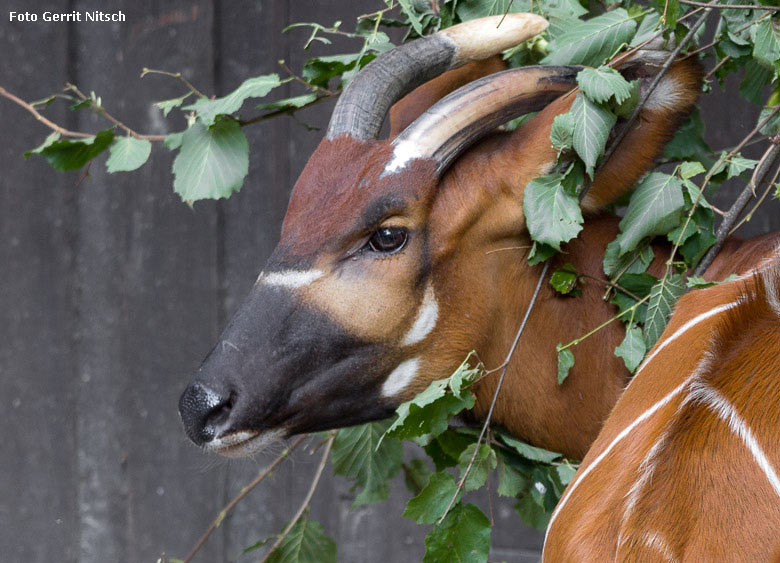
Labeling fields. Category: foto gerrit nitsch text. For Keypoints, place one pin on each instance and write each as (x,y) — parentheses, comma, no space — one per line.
(74,16)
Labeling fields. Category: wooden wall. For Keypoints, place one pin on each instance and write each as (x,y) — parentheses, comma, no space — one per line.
(112,291)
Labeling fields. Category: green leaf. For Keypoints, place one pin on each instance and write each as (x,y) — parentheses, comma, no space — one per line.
(429,411)
(416,475)
(433,500)
(295,102)
(484,463)
(688,142)
(510,481)
(627,107)
(167,105)
(691,169)
(654,209)
(414,20)
(672,13)
(565,472)
(565,363)
(738,164)
(602,83)
(256,87)
(593,41)
(128,153)
(564,280)
(212,162)
(663,296)
(173,140)
(306,543)
(552,215)
(359,455)
(562,130)
(592,124)
(532,513)
(696,236)
(615,261)
(698,282)
(539,253)
(527,451)
(463,537)
(757,76)
(72,154)
(766,42)
(632,349)
(320,70)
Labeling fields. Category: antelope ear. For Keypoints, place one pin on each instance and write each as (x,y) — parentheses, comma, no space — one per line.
(529,152)
(411,106)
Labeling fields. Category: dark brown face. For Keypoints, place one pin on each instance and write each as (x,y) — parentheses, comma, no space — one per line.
(335,329)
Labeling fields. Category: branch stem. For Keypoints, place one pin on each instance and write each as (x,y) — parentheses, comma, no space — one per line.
(48,123)
(305,504)
(244,491)
(765,164)
(505,366)
(730,6)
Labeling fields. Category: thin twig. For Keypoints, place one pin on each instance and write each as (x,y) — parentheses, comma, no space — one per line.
(715,69)
(761,200)
(50,124)
(308,85)
(498,387)
(244,491)
(284,111)
(730,6)
(736,209)
(612,285)
(522,247)
(176,75)
(306,500)
(102,111)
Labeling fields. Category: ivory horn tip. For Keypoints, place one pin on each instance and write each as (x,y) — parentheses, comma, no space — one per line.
(481,38)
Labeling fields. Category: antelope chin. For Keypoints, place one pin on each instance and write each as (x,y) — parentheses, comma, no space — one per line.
(243,443)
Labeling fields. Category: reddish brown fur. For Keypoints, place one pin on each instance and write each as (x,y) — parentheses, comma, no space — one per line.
(411,106)
(469,233)
(704,496)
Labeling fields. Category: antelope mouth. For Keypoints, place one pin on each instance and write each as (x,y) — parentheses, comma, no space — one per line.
(242,443)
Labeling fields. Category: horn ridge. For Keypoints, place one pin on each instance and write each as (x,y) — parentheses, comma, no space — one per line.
(459,119)
(362,107)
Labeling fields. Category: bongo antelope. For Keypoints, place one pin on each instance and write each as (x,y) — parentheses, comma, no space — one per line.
(687,466)
(399,256)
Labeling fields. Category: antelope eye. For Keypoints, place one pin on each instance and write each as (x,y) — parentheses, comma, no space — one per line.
(388,239)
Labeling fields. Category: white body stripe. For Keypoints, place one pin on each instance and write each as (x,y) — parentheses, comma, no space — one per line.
(655,541)
(426,319)
(625,432)
(684,328)
(722,407)
(400,377)
(649,412)
(290,279)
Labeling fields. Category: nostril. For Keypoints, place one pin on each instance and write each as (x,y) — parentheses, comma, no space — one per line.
(219,414)
(202,410)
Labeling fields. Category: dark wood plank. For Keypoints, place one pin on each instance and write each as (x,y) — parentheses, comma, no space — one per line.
(38,515)
(724,130)
(146,302)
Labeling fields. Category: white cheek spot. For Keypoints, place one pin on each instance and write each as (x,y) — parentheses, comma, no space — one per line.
(290,279)
(400,377)
(403,152)
(426,319)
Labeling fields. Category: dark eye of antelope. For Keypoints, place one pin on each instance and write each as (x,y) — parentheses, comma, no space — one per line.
(387,240)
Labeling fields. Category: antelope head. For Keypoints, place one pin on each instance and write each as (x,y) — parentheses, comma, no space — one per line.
(384,279)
